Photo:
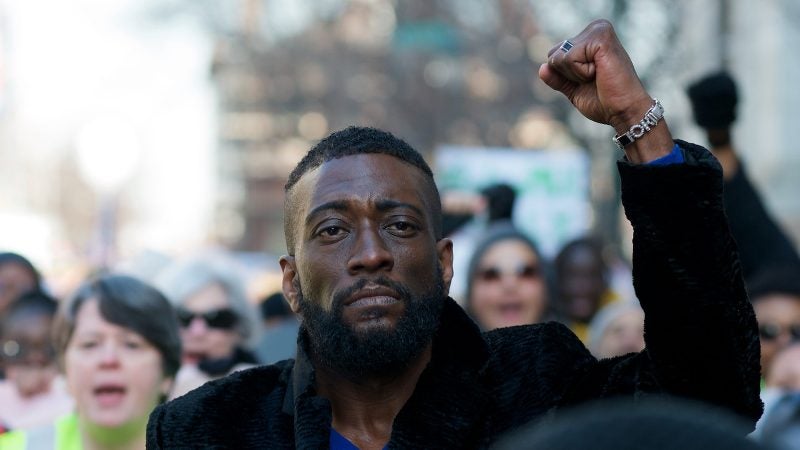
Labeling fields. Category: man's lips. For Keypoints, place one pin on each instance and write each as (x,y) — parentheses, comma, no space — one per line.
(372,295)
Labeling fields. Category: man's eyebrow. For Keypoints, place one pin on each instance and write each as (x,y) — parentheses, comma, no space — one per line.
(336,205)
(381,205)
(386,204)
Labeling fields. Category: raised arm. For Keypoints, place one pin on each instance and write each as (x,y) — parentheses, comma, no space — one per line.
(700,329)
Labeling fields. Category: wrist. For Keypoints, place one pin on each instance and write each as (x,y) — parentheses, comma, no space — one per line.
(648,138)
(655,144)
(623,121)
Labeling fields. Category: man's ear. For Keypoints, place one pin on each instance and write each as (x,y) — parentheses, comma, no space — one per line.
(444,248)
(289,283)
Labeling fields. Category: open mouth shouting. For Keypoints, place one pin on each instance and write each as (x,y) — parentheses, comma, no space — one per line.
(109,395)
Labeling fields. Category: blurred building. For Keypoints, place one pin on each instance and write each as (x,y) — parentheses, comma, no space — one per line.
(434,72)
(464,73)
(106,132)
(225,97)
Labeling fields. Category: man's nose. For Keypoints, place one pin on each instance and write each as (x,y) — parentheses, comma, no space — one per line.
(370,254)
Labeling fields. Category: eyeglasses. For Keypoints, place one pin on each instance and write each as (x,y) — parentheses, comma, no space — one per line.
(771,331)
(522,272)
(222,318)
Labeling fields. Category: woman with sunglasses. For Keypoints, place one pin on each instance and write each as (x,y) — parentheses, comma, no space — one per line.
(217,323)
(117,342)
(506,283)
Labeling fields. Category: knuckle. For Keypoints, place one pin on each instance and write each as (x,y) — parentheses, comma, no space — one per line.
(602,27)
(601,24)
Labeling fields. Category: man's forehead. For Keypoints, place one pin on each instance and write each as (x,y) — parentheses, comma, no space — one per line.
(361,173)
(369,176)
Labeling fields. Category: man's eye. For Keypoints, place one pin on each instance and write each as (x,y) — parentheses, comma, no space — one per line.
(330,231)
(402,227)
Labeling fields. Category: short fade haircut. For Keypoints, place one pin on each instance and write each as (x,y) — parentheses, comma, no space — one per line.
(356,141)
(129,303)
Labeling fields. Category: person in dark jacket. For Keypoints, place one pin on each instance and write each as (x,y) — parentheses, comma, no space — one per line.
(386,360)
(762,243)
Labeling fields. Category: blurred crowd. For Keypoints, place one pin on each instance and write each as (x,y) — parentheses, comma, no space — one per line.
(111,351)
(119,345)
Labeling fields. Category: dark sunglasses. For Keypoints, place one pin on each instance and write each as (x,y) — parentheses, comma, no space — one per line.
(223,318)
(771,331)
(523,272)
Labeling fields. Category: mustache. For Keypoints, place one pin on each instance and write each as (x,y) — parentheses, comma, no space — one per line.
(342,295)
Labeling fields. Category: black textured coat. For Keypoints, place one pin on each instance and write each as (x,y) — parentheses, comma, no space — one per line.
(700,331)
(761,241)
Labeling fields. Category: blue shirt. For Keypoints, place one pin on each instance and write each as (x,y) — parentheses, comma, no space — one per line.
(339,442)
(674,157)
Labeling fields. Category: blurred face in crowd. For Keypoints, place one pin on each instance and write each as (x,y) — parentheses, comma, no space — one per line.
(28,352)
(778,317)
(208,325)
(784,373)
(368,275)
(15,279)
(115,375)
(508,287)
(623,335)
(581,283)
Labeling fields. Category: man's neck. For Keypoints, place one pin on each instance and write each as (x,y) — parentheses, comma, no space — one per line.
(364,410)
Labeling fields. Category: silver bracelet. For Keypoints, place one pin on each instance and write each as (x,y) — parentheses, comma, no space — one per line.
(651,118)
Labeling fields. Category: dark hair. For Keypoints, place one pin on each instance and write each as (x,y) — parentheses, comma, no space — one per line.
(129,303)
(775,280)
(37,302)
(624,424)
(500,201)
(593,244)
(14,258)
(502,231)
(275,306)
(356,141)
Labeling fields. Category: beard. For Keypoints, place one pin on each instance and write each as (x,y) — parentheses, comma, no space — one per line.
(375,352)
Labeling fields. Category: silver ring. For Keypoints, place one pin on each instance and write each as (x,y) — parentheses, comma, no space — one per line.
(566,46)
